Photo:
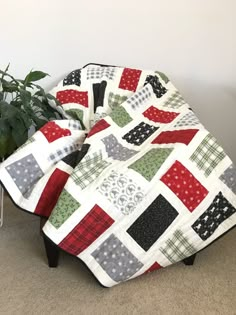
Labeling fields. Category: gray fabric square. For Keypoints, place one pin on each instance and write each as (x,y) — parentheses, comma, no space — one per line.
(118,262)
(25,173)
(190,119)
(229,178)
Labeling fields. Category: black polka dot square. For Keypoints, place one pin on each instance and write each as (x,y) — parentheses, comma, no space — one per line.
(74,78)
(140,133)
(153,222)
(220,210)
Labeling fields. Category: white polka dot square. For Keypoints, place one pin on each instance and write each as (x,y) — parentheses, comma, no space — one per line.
(118,262)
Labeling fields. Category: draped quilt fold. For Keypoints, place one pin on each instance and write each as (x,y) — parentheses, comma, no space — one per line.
(130,180)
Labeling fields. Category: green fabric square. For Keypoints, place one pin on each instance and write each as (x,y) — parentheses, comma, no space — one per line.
(115,100)
(149,163)
(120,116)
(77,114)
(65,207)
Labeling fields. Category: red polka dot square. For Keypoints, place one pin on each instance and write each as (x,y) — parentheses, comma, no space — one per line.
(53,132)
(180,136)
(99,126)
(186,187)
(160,116)
(153,267)
(73,96)
(129,79)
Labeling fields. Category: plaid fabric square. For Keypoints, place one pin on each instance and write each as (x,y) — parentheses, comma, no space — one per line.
(51,193)
(73,96)
(74,78)
(99,72)
(65,207)
(120,116)
(175,136)
(25,173)
(94,224)
(74,124)
(159,116)
(116,259)
(52,131)
(150,162)
(178,247)
(137,99)
(208,155)
(158,88)
(190,119)
(89,169)
(129,79)
(99,126)
(219,211)
(77,114)
(229,178)
(186,187)
(139,134)
(61,153)
(153,222)
(115,100)
(175,100)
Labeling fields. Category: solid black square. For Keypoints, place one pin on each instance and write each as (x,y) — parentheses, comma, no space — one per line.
(153,222)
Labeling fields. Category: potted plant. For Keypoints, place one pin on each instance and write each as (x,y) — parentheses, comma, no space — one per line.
(23,104)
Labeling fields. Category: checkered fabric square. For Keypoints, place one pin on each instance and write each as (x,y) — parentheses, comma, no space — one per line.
(89,169)
(141,96)
(208,155)
(61,153)
(95,223)
(115,100)
(99,72)
(175,100)
(178,247)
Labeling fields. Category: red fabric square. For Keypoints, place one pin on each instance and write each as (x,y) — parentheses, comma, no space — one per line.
(129,79)
(182,136)
(51,193)
(186,187)
(73,96)
(86,231)
(155,266)
(99,126)
(161,116)
(53,132)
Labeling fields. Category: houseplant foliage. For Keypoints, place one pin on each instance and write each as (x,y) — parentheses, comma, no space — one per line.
(23,104)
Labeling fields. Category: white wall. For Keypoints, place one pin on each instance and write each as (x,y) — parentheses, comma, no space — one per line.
(192,41)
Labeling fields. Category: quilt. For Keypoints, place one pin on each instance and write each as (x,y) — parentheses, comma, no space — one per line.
(130,180)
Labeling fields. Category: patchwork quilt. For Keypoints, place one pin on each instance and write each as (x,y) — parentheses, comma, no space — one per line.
(130,180)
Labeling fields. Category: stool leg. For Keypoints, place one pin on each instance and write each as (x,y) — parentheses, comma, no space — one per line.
(52,252)
(189,261)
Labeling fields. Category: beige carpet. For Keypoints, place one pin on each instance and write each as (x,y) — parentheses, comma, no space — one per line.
(28,286)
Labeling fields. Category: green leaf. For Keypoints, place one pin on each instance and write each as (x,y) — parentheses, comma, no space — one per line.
(9,86)
(7,144)
(25,96)
(34,76)
(1,96)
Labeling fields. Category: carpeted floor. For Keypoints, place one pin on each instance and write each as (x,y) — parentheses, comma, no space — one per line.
(28,286)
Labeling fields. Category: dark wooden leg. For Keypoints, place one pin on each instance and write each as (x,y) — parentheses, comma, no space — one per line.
(190,260)
(52,252)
